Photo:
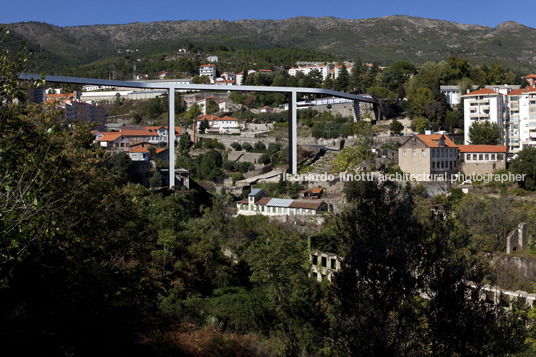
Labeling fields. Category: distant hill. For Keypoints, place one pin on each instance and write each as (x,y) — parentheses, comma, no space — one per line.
(383,40)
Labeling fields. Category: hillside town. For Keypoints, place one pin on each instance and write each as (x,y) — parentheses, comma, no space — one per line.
(200,199)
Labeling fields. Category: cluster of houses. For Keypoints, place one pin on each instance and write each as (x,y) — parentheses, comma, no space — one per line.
(136,141)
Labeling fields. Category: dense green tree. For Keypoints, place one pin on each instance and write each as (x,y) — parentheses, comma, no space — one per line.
(496,74)
(236,146)
(120,165)
(185,143)
(485,133)
(210,166)
(458,68)
(420,124)
(402,290)
(396,127)
(386,100)
(418,100)
(342,82)
(204,126)
(525,164)
(247,146)
(279,262)
(194,111)
(212,107)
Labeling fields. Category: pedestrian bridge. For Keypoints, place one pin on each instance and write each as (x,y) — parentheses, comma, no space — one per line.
(171,87)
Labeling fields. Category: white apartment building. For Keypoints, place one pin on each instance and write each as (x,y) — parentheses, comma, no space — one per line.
(323,69)
(521,128)
(453,95)
(208,70)
(480,105)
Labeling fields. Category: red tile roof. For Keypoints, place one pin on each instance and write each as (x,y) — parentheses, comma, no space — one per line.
(147,131)
(483,91)
(138,132)
(531,76)
(516,91)
(159,150)
(482,148)
(139,149)
(433,140)
(317,190)
(210,117)
(109,136)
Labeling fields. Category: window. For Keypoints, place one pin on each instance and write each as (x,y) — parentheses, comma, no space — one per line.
(414,153)
(474,156)
(315,260)
(486,157)
(324,261)
(480,157)
(433,165)
(493,157)
(404,152)
(333,263)
(442,152)
(423,153)
(468,157)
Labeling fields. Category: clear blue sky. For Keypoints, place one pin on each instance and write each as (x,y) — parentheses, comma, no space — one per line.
(63,13)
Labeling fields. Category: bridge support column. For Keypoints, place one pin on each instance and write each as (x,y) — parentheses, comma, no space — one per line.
(357,114)
(171,136)
(292,133)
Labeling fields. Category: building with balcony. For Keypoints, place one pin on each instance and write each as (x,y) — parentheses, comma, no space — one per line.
(208,70)
(483,104)
(521,125)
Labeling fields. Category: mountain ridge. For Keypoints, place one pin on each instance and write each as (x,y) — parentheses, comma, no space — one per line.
(381,39)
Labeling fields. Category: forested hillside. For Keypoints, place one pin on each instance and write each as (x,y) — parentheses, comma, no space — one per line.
(383,40)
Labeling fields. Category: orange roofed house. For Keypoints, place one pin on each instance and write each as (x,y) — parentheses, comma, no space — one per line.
(482,159)
(150,134)
(427,155)
(127,137)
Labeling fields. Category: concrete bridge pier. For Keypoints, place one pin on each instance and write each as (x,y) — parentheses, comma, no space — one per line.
(292,133)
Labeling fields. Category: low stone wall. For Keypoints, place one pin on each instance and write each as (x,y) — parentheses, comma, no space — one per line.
(243,156)
(227,140)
